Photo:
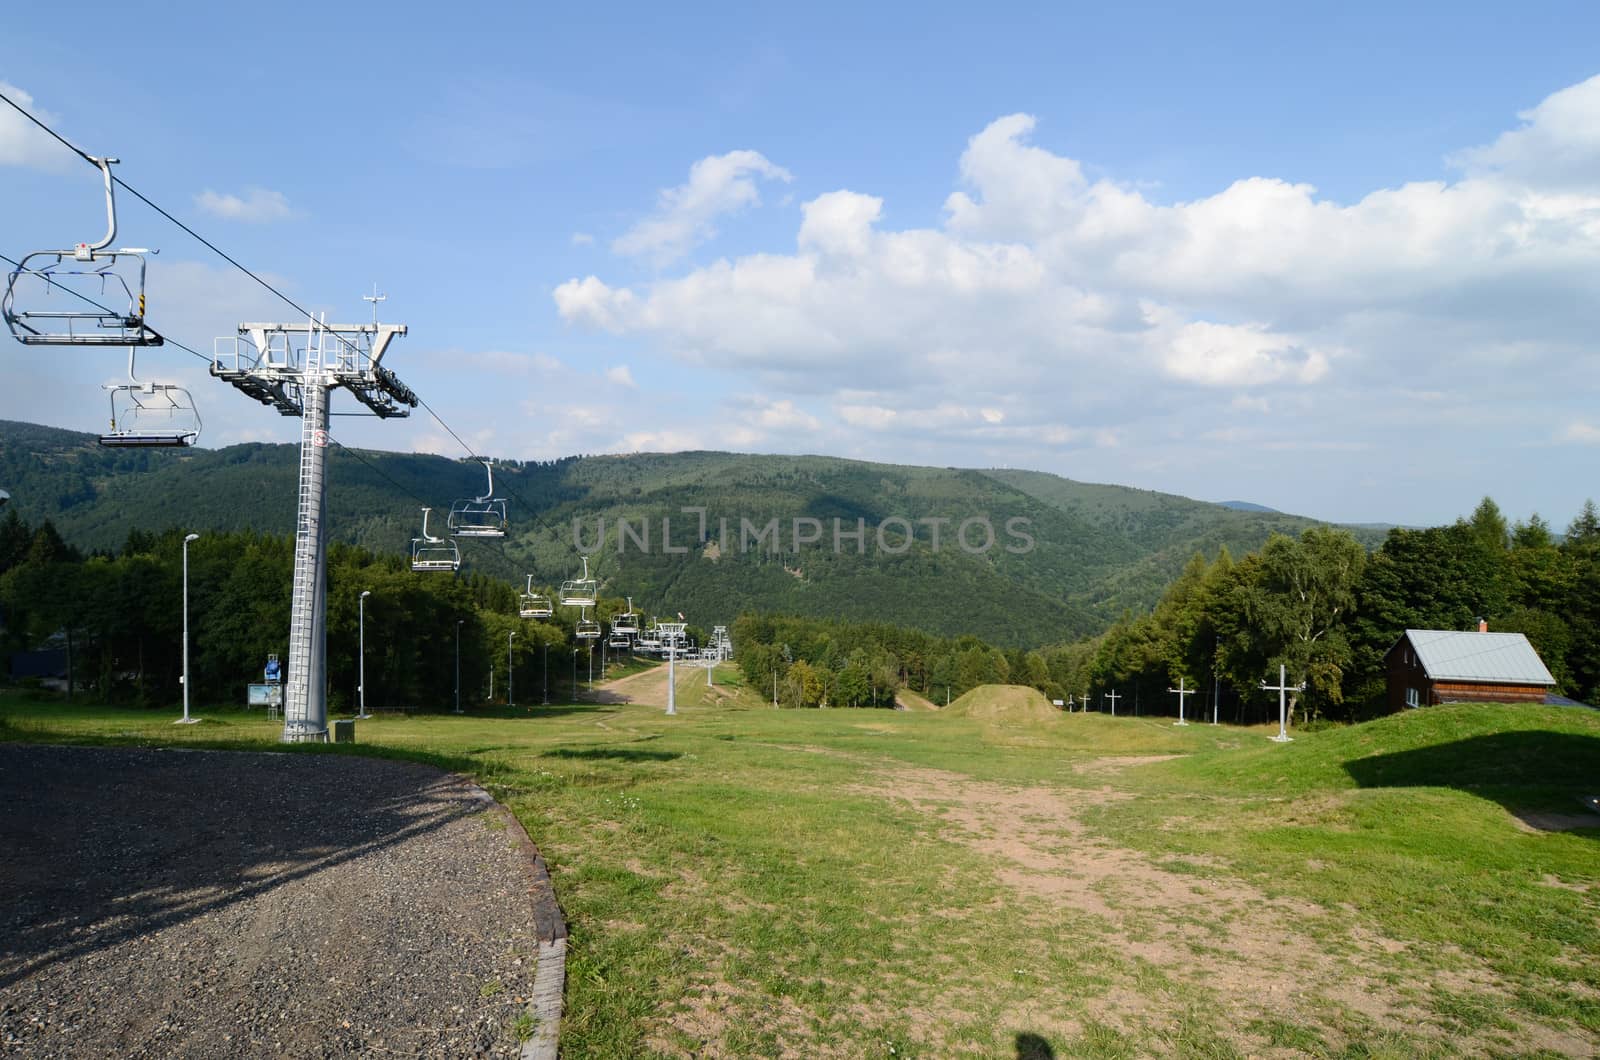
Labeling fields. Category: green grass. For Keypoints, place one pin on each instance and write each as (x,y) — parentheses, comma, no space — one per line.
(742,881)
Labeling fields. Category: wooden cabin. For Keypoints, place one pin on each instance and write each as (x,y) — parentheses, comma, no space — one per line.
(1427,667)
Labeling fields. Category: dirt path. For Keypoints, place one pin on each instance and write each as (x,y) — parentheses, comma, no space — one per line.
(211,904)
(1262,956)
(648,687)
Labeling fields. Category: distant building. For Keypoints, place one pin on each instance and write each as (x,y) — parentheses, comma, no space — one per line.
(1427,667)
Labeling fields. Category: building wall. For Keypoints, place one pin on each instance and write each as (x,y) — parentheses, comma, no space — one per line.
(1405,672)
(1482,692)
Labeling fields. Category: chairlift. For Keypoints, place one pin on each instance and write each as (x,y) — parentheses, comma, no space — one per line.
(587,628)
(579,592)
(618,638)
(483,516)
(145,415)
(534,605)
(110,283)
(627,622)
(429,553)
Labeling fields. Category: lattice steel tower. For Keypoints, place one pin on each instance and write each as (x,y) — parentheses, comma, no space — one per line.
(264,363)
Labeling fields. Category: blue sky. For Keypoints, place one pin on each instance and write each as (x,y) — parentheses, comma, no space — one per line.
(1343,263)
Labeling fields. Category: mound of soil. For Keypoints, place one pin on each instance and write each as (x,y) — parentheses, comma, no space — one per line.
(1008,703)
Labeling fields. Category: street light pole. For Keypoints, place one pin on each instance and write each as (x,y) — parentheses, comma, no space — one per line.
(186,720)
(458,668)
(361,676)
(511,699)
(544,673)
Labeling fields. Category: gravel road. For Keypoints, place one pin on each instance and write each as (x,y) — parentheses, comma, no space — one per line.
(158,903)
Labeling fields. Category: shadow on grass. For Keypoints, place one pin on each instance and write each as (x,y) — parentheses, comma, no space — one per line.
(1031,1046)
(1523,771)
(621,754)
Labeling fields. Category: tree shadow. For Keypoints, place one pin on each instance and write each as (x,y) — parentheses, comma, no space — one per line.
(1031,1046)
(621,754)
(106,845)
(1526,772)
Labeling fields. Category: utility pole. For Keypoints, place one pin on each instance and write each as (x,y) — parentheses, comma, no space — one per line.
(1283,688)
(1216,683)
(361,665)
(1112,695)
(458,670)
(185,720)
(264,364)
(1181,691)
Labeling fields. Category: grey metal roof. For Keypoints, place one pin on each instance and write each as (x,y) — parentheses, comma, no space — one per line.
(1503,658)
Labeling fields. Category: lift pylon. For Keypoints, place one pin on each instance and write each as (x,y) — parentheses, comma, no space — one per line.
(265,363)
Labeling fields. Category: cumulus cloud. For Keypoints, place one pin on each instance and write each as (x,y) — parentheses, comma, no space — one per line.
(22,143)
(621,375)
(1048,307)
(685,215)
(257,205)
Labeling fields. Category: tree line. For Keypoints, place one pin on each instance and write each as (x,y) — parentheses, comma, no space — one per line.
(117,616)
(1328,612)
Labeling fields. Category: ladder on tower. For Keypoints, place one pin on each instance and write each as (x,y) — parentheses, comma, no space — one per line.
(307,535)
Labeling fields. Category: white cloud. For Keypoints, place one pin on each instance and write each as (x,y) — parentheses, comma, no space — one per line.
(22,143)
(582,239)
(621,375)
(685,215)
(1581,434)
(258,205)
(1051,308)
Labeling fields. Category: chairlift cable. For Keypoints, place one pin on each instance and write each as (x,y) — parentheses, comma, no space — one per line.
(136,193)
(242,268)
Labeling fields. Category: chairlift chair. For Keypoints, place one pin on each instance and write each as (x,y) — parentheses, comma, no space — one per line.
(107,287)
(483,516)
(627,622)
(429,553)
(618,638)
(534,605)
(147,415)
(579,592)
(587,628)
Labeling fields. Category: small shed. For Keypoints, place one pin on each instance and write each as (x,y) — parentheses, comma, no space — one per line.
(1427,667)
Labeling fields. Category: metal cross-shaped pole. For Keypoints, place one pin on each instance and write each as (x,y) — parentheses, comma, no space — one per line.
(1113,696)
(374,298)
(1181,691)
(1283,688)
(1084,700)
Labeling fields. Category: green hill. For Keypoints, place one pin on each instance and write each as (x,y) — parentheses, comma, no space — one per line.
(1096,551)
(1002,703)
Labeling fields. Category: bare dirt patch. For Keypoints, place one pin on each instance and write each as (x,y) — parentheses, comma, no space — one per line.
(1269,957)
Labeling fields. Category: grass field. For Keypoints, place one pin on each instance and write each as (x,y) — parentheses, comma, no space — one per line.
(742,881)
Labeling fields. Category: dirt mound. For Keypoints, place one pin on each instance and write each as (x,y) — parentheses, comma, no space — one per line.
(1009,703)
(905,699)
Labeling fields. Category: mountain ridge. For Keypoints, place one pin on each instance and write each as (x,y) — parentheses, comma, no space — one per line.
(854,538)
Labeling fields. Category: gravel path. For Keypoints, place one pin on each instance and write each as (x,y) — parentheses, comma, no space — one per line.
(215,904)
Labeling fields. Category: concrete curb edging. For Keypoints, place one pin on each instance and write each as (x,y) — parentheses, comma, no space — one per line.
(550,974)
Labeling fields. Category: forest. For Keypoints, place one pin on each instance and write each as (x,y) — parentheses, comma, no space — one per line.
(1320,603)
(117,616)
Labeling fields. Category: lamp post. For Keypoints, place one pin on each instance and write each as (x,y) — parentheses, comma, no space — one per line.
(544,673)
(186,720)
(458,669)
(511,699)
(361,660)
